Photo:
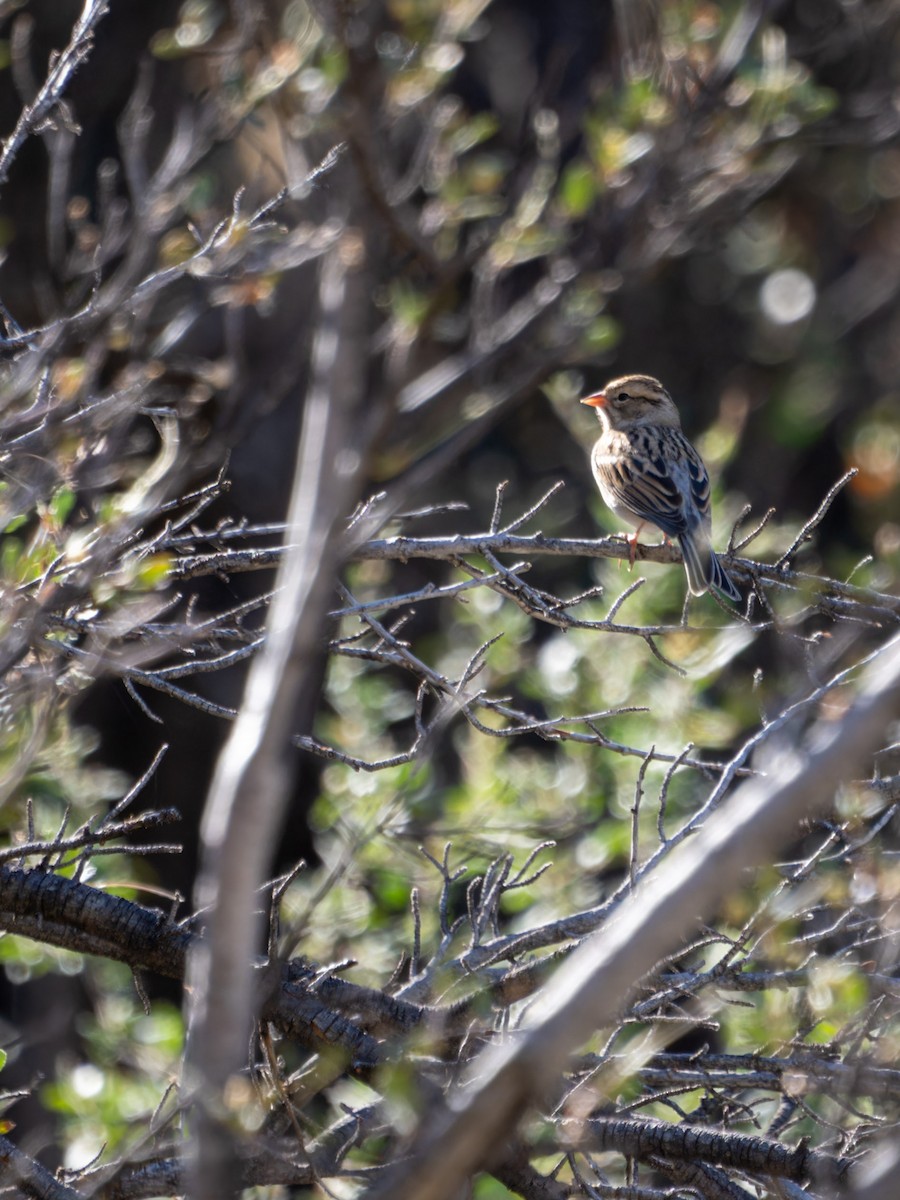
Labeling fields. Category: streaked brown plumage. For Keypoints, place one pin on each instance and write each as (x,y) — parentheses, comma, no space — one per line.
(650,475)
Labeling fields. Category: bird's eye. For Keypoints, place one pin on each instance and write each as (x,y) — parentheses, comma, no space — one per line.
(622,397)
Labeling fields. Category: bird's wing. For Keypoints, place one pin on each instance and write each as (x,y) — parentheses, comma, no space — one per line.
(698,480)
(660,479)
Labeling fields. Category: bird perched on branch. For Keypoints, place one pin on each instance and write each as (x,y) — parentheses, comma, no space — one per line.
(651,476)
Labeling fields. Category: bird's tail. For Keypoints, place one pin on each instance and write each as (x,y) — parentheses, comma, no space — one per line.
(704,569)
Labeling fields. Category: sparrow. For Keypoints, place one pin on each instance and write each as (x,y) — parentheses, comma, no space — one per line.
(651,476)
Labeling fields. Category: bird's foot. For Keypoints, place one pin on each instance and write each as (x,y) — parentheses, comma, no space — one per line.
(632,540)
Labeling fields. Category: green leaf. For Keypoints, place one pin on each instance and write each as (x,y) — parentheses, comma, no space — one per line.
(153,572)
(11,557)
(61,504)
(602,335)
(578,188)
(474,132)
(15,523)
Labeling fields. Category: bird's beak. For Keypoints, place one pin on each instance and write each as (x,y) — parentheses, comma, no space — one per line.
(598,400)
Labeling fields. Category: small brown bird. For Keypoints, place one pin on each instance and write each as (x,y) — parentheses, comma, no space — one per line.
(651,476)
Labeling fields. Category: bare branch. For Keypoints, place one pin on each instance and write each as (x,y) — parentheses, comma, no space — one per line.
(61,71)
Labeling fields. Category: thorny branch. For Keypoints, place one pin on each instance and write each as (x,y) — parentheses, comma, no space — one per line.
(379,643)
(825,595)
(64,65)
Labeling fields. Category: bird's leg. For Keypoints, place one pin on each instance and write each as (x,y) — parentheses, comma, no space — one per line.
(632,540)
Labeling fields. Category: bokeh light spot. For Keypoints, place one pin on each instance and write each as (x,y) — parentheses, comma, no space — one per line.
(787,296)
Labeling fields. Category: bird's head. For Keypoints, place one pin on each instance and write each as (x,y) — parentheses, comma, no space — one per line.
(634,400)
